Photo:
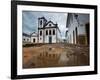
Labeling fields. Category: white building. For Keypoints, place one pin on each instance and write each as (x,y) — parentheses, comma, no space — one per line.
(34,37)
(78,28)
(48,31)
(26,38)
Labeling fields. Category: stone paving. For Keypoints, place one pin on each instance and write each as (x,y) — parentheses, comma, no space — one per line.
(55,55)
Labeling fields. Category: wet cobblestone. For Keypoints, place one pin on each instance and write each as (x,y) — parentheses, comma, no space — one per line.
(55,55)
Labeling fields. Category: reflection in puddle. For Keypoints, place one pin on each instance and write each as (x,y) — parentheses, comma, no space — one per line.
(55,56)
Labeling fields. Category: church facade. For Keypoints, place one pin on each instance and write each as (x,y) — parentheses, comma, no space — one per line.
(48,32)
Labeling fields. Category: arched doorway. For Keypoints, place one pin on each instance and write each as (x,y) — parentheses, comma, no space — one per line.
(34,40)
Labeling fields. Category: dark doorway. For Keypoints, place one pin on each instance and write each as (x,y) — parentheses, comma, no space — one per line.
(50,39)
(76,35)
(87,33)
(73,38)
(34,40)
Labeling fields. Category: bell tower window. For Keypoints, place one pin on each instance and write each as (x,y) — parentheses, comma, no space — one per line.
(41,22)
(40,33)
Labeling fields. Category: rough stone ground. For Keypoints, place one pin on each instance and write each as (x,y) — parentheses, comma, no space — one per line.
(55,55)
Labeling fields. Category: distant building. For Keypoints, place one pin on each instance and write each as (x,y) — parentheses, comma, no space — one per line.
(78,28)
(34,37)
(48,32)
(26,38)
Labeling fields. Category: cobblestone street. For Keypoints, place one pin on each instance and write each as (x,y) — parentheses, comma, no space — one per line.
(55,55)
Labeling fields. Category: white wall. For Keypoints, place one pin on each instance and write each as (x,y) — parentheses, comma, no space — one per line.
(26,39)
(71,28)
(47,36)
(36,39)
(41,37)
(59,37)
(34,36)
(5,42)
(83,19)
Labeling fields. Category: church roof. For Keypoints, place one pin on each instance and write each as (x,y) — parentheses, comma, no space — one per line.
(26,35)
(34,34)
(50,22)
(47,22)
(42,18)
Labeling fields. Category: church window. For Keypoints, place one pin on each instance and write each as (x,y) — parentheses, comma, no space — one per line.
(40,33)
(49,32)
(53,32)
(40,22)
(49,24)
(46,32)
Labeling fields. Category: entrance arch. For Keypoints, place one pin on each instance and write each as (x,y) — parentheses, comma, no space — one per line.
(50,39)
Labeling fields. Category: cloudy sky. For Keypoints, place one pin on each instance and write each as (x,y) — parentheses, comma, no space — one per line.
(30,20)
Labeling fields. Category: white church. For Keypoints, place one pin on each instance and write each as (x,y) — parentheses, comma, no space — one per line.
(48,32)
